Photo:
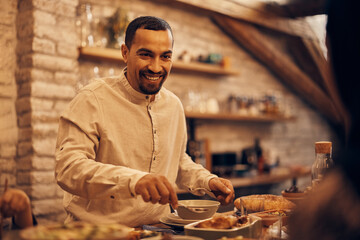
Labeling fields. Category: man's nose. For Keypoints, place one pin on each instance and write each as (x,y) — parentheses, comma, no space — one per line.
(155,65)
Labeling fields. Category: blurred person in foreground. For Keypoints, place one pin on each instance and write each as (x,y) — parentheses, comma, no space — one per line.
(121,146)
(332,211)
(15,203)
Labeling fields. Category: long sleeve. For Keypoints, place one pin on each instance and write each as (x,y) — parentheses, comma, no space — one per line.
(78,170)
(109,137)
(192,176)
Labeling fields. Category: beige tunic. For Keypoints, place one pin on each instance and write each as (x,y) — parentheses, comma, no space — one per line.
(109,137)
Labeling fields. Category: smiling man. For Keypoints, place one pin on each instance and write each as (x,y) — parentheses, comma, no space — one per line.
(122,140)
(149,62)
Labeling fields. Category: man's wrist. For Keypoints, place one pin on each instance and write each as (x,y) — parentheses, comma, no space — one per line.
(208,183)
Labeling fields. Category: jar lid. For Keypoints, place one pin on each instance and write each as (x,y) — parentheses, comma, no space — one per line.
(323,147)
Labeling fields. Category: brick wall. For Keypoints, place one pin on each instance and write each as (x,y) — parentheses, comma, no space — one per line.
(39,75)
(47,75)
(8,125)
(39,72)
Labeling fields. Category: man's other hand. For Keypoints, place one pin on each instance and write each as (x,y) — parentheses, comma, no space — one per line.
(156,189)
(223,190)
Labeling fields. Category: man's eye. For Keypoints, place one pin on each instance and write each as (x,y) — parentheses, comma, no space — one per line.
(167,56)
(144,54)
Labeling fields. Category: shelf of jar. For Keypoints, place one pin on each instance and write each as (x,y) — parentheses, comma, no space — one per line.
(109,54)
(238,117)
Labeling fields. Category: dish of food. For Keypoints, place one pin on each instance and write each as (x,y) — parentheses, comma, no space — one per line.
(174,237)
(272,216)
(77,230)
(141,234)
(215,228)
(263,202)
(224,222)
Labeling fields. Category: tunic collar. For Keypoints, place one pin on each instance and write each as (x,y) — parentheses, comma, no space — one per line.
(135,96)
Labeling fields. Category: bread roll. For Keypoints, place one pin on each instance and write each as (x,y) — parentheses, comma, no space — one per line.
(263,202)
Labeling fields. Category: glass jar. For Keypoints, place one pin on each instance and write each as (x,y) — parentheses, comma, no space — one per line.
(323,161)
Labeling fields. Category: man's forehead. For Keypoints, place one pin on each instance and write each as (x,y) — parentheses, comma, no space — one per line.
(144,36)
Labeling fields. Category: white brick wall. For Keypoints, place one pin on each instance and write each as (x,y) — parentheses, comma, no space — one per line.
(8,119)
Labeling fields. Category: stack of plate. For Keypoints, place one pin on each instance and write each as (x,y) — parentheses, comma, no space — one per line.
(172,219)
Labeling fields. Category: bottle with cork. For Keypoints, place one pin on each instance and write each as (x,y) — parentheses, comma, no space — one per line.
(323,161)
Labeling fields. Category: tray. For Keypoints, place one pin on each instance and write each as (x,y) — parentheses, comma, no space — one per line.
(253,230)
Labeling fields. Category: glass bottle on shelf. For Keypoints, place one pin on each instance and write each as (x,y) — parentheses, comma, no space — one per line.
(87,38)
(323,161)
(259,156)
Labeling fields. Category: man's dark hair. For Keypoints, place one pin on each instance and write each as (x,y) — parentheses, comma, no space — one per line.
(145,22)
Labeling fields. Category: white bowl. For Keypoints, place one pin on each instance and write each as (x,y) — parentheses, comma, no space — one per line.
(197,209)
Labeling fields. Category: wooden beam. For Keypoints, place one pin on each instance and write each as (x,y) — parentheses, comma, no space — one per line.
(327,75)
(280,63)
(255,12)
(304,59)
(296,9)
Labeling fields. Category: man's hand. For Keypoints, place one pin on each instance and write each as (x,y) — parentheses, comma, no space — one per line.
(15,203)
(156,189)
(223,190)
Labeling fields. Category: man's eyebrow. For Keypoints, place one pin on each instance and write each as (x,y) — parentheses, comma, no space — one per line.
(149,51)
(168,52)
(143,50)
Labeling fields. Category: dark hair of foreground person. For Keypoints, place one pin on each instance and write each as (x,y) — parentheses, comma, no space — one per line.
(332,211)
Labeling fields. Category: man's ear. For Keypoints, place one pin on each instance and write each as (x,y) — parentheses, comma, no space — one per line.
(125,52)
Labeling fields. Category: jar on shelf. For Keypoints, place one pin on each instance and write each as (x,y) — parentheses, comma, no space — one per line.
(323,161)
(232,103)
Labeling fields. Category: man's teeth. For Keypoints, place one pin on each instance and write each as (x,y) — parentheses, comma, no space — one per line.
(152,78)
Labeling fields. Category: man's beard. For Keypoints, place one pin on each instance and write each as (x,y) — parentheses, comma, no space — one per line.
(149,88)
(146,90)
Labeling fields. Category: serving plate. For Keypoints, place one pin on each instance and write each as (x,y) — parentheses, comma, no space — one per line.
(176,219)
(166,221)
(252,230)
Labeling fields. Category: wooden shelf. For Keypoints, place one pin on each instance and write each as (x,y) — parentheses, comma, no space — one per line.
(109,54)
(235,117)
(197,67)
(103,54)
(277,175)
